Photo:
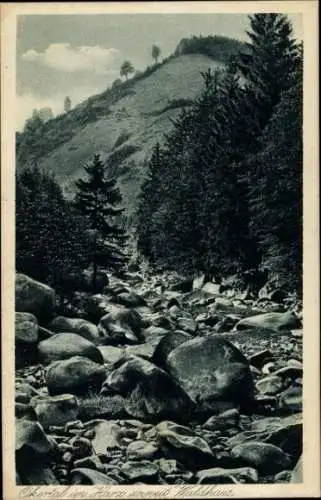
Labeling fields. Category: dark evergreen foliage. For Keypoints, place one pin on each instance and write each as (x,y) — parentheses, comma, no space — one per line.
(51,245)
(219,194)
(97,198)
(268,62)
(276,190)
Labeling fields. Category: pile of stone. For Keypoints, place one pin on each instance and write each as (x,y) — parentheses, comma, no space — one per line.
(163,381)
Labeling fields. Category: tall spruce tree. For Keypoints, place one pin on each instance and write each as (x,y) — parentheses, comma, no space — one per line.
(97,199)
(268,62)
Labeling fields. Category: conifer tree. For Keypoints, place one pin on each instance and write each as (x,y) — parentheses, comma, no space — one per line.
(170,221)
(269,62)
(97,199)
(50,237)
(276,193)
(207,212)
(67,104)
(148,201)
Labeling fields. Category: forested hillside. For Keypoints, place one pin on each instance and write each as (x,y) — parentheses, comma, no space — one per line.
(223,193)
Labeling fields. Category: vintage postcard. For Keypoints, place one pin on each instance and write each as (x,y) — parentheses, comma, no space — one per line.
(160,232)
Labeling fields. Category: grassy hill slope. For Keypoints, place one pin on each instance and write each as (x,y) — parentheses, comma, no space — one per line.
(122,125)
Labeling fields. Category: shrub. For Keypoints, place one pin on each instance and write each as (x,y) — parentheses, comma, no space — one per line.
(123,137)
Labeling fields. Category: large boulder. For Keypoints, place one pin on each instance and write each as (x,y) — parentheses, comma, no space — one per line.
(77,375)
(34,451)
(32,436)
(218,475)
(270,385)
(286,433)
(274,321)
(34,297)
(272,291)
(107,436)
(26,328)
(211,369)
(151,394)
(167,344)
(110,353)
(26,338)
(140,470)
(121,326)
(83,475)
(56,410)
(264,457)
(182,444)
(225,420)
(145,350)
(130,299)
(64,346)
(141,450)
(75,325)
(290,400)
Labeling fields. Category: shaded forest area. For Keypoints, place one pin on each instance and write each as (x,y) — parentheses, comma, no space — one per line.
(224,194)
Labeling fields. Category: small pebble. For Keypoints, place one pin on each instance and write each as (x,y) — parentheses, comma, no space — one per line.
(90,434)
(67,457)
(76,424)
(82,447)
(75,432)
(63,447)
(60,431)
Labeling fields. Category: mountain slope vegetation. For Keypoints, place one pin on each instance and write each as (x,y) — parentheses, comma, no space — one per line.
(123,123)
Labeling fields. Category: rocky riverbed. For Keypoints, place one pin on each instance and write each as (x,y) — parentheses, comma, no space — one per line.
(158,380)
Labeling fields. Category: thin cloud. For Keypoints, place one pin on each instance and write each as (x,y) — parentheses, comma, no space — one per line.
(64,57)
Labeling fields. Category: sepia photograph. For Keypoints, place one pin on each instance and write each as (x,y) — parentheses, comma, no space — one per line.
(157,180)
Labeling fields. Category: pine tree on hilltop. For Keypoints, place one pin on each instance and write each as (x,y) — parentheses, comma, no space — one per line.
(97,199)
(156,53)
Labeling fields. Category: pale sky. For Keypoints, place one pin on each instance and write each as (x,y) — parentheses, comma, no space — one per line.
(80,55)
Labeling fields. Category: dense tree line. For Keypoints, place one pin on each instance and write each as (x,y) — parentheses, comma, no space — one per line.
(224,191)
(50,243)
(56,239)
(219,48)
